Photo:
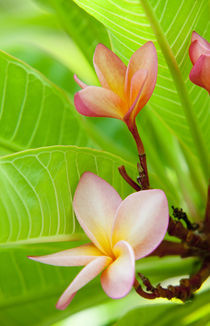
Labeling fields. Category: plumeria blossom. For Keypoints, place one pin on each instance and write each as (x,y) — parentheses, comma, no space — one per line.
(121,231)
(199,52)
(125,90)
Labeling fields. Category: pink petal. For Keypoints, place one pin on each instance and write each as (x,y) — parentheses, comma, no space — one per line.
(117,279)
(95,101)
(79,82)
(142,220)
(88,273)
(144,58)
(200,72)
(199,46)
(110,69)
(95,203)
(71,257)
(137,85)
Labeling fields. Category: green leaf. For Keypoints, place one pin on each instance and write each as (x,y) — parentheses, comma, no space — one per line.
(33,111)
(33,27)
(30,290)
(46,64)
(85,30)
(37,187)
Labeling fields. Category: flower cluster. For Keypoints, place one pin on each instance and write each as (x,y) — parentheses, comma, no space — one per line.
(120,231)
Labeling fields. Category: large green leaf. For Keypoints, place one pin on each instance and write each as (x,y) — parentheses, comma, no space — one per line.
(37,188)
(29,290)
(33,111)
(31,26)
(85,30)
(45,63)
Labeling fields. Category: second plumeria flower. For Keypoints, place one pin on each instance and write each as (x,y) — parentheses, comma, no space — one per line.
(199,53)
(121,231)
(125,90)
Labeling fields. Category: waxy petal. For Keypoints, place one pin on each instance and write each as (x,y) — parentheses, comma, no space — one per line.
(95,101)
(144,58)
(79,82)
(88,273)
(117,279)
(95,203)
(137,85)
(110,70)
(198,47)
(71,257)
(200,72)
(142,220)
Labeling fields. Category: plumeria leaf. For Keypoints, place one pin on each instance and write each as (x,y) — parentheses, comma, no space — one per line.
(84,29)
(37,187)
(33,111)
(30,290)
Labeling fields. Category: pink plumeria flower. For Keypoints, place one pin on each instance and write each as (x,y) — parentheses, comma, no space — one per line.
(199,52)
(125,90)
(121,231)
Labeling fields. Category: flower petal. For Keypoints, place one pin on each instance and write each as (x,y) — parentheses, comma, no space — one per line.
(110,69)
(71,257)
(117,279)
(88,273)
(95,203)
(94,101)
(200,72)
(142,220)
(198,47)
(79,82)
(144,58)
(137,85)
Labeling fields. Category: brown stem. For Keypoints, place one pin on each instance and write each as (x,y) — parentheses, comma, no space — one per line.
(169,248)
(183,291)
(142,166)
(207,215)
(176,229)
(134,131)
(143,173)
(128,179)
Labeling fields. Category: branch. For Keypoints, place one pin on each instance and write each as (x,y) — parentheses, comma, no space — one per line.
(128,179)
(176,229)
(207,215)
(169,248)
(183,291)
